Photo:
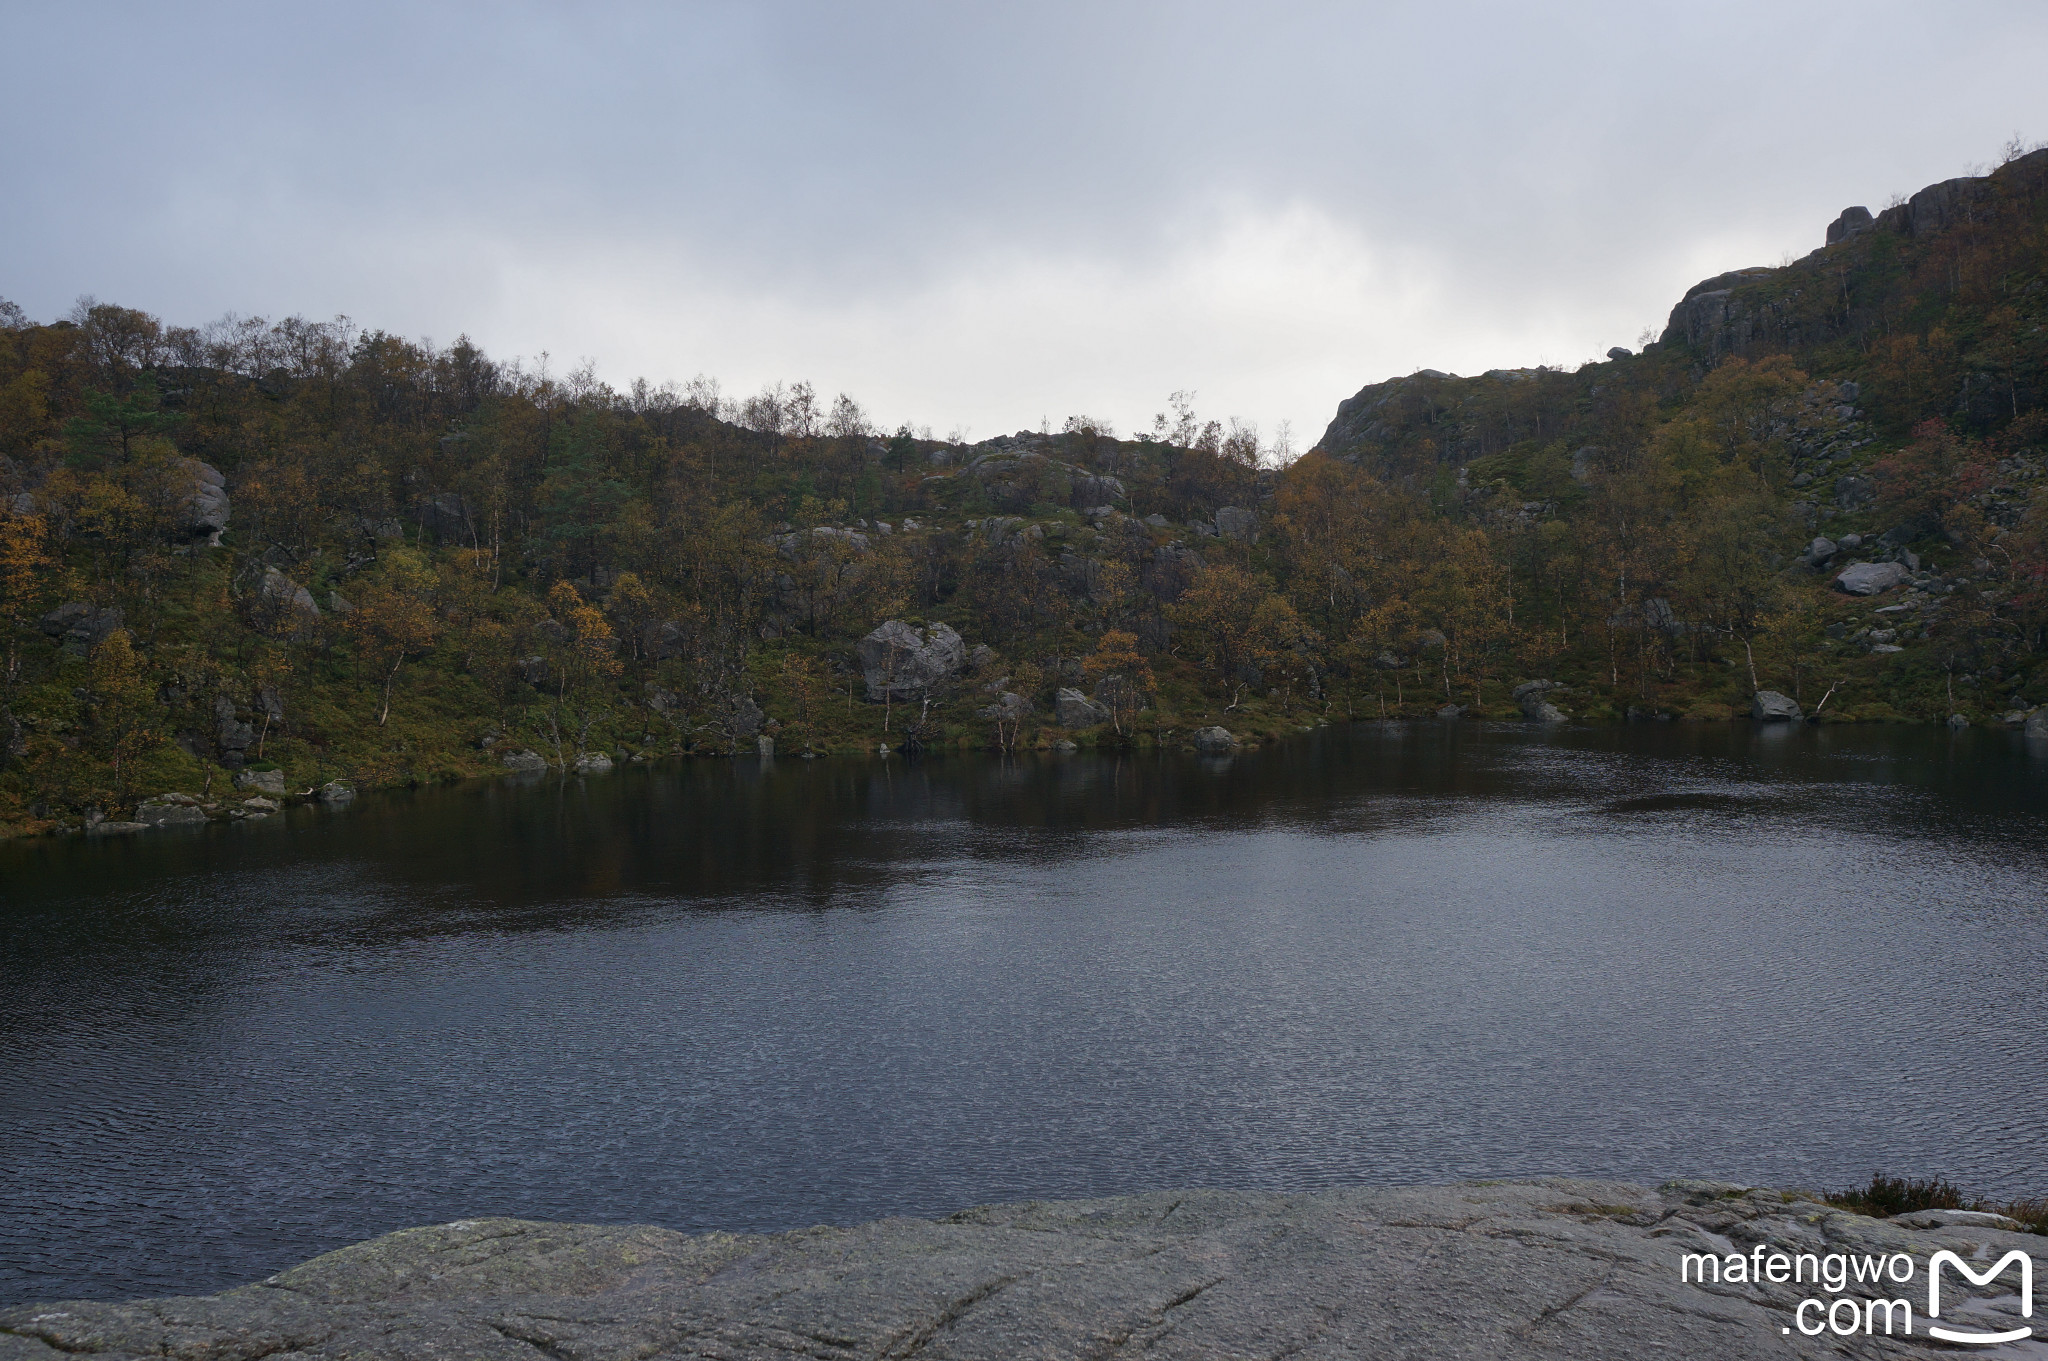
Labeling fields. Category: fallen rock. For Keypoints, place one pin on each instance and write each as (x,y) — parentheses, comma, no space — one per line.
(1820,550)
(169,810)
(1235,522)
(267,781)
(334,791)
(1075,710)
(1532,697)
(525,761)
(1771,707)
(1009,707)
(2037,723)
(80,625)
(593,763)
(1214,741)
(1561,1269)
(901,661)
(1870,578)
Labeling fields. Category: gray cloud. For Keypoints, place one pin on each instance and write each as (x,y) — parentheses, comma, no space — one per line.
(981,216)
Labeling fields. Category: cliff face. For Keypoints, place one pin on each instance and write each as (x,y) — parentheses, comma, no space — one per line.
(1962,258)
(1552,1268)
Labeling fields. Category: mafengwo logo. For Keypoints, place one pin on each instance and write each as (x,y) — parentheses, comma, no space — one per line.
(1854,1285)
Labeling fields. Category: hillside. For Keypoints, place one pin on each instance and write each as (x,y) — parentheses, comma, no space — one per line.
(284,554)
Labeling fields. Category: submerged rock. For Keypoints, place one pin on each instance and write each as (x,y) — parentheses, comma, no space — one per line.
(1556,1268)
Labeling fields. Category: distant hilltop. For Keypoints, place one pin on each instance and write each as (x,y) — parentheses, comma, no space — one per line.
(1860,283)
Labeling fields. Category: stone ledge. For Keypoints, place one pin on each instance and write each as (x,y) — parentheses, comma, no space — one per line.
(1548,1268)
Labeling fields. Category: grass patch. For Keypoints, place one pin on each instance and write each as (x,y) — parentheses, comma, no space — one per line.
(1887,1196)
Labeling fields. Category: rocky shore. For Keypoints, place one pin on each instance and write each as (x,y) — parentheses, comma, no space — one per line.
(1550,1268)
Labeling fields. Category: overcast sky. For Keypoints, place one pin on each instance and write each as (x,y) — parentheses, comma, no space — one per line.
(979,216)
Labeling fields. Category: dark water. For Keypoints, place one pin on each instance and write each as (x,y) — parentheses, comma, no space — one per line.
(720,995)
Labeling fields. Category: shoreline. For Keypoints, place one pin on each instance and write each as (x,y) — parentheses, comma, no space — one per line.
(1554,1267)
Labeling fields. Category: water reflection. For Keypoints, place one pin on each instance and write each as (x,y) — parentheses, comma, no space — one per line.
(763,994)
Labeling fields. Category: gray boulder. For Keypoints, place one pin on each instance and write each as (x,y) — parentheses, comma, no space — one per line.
(663,639)
(1820,550)
(280,595)
(1768,706)
(1532,697)
(1009,708)
(743,717)
(1620,352)
(1852,222)
(80,626)
(1214,741)
(524,762)
(1852,492)
(204,511)
(1387,661)
(1075,710)
(449,518)
(1451,711)
(230,733)
(593,763)
(1870,578)
(334,791)
(900,661)
(1958,721)
(1098,490)
(170,810)
(262,781)
(2037,724)
(1235,522)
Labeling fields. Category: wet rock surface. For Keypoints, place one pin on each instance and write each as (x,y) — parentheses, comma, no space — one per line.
(1550,1268)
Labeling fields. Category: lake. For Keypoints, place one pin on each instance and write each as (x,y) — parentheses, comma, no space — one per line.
(756,995)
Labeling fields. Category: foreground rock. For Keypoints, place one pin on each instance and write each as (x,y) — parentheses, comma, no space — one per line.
(1553,1268)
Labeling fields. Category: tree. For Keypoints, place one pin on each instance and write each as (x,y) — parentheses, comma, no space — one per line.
(395,618)
(1234,623)
(23,567)
(584,652)
(123,709)
(1123,677)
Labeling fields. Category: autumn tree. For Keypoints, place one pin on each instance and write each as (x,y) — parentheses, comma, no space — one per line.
(122,708)
(24,571)
(1123,678)
(395,619)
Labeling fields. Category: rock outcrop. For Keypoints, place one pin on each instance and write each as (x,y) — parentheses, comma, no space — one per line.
(1076,710)
(901,661)
(204,512)
(80,625)
(1554,1268)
